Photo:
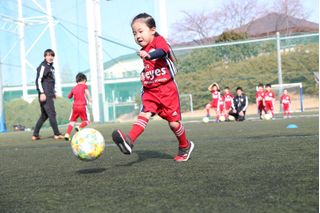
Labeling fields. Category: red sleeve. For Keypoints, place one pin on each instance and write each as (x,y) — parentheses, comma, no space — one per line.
(70,94)
(257,95)
(161,43)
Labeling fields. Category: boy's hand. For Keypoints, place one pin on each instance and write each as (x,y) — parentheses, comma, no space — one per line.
(43,97)
(143,54)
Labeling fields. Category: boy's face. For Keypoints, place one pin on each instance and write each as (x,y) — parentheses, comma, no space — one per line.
(268,89)
(239,92)
(260,89)
(143,35)
(214,88)
(285,92)
(49,58)
(226,91)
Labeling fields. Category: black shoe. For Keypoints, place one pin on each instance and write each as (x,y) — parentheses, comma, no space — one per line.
(123,142)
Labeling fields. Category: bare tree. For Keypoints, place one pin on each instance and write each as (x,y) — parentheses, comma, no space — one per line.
(288,9)
(235,14)
(197,27)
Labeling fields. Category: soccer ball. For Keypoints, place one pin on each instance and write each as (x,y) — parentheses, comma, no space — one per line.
(87,144)
(222,118)
(267,116)
(205,120)
(231,118)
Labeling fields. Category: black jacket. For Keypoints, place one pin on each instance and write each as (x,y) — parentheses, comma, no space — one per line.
(45,81)
(240,103)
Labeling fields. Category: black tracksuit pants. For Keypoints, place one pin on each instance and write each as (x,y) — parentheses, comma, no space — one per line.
(47,111)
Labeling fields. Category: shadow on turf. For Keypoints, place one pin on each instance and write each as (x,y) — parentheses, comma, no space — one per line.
(91,171)
(147,154)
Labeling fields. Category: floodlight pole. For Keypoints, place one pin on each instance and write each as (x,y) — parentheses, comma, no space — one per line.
(96,59)
(279,59)
(2,121)
(54,47)
(163,18)
(279,66)
(23,62)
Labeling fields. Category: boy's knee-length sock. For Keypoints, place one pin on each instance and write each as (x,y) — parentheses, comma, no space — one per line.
(83,124)
(138,127)
(181,136)
(70,127)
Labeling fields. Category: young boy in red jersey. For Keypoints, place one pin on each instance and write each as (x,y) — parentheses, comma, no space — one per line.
(269,100)
(259,100)
(285,101)
(228,101)
(215,94)
(160,94)
(80,94)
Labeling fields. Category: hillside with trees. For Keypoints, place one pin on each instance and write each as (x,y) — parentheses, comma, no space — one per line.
(238,66)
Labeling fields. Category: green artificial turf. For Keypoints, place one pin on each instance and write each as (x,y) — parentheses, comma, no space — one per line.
(253,166)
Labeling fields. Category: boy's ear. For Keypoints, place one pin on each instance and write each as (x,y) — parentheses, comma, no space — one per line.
(154,30)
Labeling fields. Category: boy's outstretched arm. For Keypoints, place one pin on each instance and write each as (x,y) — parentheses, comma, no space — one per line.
(88,95)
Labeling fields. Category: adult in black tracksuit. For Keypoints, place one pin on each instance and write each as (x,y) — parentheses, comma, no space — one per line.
(45,83)
(239,106)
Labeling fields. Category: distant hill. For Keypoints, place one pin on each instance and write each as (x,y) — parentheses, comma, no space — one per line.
(275,22)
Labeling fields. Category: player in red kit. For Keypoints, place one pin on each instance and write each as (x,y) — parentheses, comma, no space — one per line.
(80,94)
(260,100)
(269,99)
(285,101)
(215,94)
(160,94)
(228,101)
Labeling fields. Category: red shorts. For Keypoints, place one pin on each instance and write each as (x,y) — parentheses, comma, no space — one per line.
(79,111)
(214,104)
(221,108)
(162,100)
(228,106)
(286,107)
(269,106)
(260,106)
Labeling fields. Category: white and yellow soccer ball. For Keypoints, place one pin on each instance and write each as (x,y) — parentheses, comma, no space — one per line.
(222,118)
(205,120)
(88,144)
(267,116)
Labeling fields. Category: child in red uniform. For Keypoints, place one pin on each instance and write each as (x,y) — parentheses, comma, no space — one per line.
(160,94)
(79,108)
(228,100)
(259,100)
(215,93)
(269,99)
(285,101)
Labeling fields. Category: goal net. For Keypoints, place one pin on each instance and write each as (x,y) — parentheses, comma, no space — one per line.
(186,103)
(294,91)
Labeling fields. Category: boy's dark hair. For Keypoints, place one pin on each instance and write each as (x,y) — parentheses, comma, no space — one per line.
(48,52)
(239,88)
(260,85)
(81,77)
(268,85)
(148,20)
(227,88)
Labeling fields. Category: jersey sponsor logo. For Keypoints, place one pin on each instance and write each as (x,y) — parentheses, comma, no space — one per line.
(174,114)
(152,74)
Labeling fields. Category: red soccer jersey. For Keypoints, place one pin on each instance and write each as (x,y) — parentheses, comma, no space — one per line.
(269,96)
(215,96)
(228,99)
(221,103)
(157,71)
(260,95)
(78,94)
(285,99)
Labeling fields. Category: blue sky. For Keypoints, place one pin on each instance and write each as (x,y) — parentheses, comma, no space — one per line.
(71,31)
